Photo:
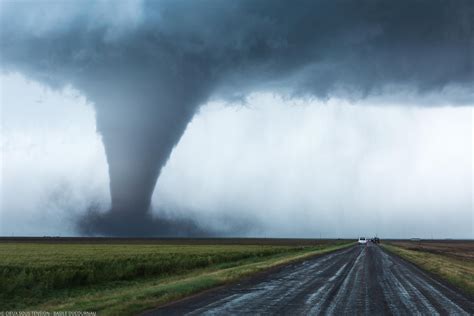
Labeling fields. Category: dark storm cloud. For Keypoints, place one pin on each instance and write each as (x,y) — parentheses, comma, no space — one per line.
(147,66)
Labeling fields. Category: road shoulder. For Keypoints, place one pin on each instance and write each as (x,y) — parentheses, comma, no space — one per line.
(457,275)
(247,273)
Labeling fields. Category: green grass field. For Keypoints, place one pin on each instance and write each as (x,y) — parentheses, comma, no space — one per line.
(128,278)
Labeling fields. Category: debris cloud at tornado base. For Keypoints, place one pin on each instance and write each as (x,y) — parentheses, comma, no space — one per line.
(148,66)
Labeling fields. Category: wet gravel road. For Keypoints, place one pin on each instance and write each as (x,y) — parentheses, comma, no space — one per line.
(361,280)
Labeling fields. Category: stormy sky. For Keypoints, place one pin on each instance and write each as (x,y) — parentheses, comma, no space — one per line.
(323,118)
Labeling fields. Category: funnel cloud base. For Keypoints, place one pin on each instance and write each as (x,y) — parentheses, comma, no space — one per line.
(127,224)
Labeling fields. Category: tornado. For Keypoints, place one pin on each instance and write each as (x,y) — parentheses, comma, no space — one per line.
(140,121)
(137,145)
(147,67)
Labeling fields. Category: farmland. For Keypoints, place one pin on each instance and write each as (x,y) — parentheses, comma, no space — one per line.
(451,260)
(111,275)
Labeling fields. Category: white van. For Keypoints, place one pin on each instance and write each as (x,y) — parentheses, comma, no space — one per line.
(362,241)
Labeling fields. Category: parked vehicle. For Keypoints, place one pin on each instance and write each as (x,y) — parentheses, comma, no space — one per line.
(362,241)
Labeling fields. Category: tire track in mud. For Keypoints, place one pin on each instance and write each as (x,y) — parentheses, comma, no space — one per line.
(360,280)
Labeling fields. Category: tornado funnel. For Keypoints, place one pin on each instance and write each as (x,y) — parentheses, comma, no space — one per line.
(139,130)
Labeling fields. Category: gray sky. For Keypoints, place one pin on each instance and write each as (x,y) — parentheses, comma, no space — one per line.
(170,117)
(270,167)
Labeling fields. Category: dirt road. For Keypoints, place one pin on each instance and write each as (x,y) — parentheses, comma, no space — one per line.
(354,281)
